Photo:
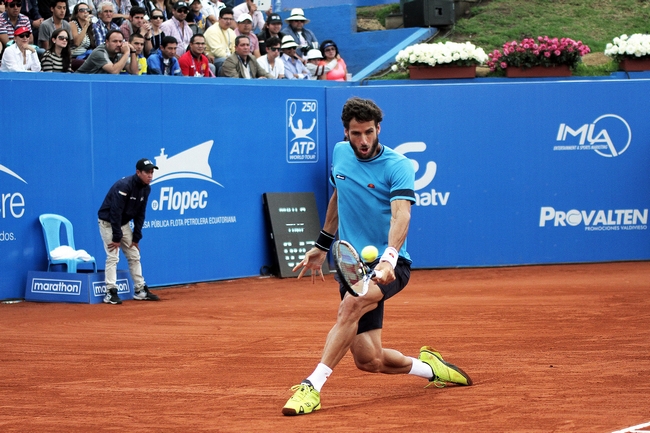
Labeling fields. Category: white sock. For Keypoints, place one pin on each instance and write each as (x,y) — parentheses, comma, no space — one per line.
(421,369)
(319,376)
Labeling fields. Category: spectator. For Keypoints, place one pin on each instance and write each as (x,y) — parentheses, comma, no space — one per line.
(197,18)
(137,24)
(220,40)
(179,28)
(164,61)
(125,201)
(2,7)
(244,27)
(335,68)
(242,64)
(20,56)
(157,35)
(11,20)
(271,61)
(56,21)
(162,5)
(270,30)
(305,38)
(194,63)
(294,69)
(249,7)
(111,57)
(83,39)
(57,57)
(44,8)
(105,22)
(121,9)
(314,57)
(137,41)
(212,10)
(30,10)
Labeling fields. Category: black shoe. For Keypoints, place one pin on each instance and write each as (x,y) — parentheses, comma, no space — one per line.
(111,297)
(144,294)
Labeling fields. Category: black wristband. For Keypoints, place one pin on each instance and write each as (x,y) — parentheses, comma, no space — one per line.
(324,241)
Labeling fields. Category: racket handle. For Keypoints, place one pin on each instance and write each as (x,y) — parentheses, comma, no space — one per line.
(378,274)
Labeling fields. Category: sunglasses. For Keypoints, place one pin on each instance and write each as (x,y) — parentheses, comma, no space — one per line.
(14,5)
(274,48)
(157,17)
(62,38)
(330,49)
(24,35)
(183,11)
(84,10)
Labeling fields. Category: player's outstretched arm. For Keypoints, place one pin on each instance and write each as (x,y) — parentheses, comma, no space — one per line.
(315,257)
(313,261)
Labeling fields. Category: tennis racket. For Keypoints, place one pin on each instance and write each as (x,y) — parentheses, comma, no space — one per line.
(354,274)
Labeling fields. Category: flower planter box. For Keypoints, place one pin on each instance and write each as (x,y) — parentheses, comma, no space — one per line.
(441,72)
(539,71)
(635,65)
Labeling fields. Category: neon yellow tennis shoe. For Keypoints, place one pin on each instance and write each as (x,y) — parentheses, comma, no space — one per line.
(304,400)
(443,371)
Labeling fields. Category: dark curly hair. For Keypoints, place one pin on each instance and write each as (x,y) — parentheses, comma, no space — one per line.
(362,110)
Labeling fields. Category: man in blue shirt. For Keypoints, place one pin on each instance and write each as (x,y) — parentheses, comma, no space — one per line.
(371,205)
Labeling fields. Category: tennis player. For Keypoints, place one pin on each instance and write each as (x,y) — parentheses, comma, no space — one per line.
(371,205)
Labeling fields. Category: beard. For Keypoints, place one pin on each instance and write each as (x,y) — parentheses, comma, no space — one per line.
(371,154)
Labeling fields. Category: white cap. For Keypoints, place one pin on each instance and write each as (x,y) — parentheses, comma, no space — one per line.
(314,54)
(244,17)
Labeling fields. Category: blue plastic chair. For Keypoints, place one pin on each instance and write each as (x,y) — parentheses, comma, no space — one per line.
(52,233)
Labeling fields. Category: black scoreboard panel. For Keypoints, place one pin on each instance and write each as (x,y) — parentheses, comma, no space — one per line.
(294,227)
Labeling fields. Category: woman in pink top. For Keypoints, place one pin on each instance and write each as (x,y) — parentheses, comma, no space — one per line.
(335,68)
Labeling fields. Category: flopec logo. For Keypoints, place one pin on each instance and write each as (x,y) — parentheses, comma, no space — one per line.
(302,134)
(609,136)
(189,164)
(424,198)
(595,220)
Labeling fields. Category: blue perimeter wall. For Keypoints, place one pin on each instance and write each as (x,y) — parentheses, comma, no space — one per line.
(508,172)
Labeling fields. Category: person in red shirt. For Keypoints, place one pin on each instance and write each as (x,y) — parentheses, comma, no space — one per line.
(194,63)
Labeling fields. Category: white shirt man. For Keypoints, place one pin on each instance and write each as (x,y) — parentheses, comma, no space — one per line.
(271,61)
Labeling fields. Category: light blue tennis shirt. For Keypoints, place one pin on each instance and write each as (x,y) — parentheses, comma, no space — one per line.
(365,189)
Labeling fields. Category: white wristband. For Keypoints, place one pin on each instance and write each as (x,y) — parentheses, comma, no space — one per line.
(390,256)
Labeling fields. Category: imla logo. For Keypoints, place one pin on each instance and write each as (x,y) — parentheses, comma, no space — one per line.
(302,133)
(608,136)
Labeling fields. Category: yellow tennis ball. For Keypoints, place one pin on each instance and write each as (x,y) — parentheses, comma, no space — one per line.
(369,253)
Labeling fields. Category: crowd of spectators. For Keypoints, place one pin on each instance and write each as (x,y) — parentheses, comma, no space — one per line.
(198,38)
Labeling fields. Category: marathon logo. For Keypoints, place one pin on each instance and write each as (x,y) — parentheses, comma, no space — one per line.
(99,287)
(57,287)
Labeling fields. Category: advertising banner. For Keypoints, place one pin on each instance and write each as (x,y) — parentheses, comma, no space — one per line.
(520,173)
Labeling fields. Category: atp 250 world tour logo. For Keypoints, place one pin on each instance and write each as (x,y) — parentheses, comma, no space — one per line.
(302,130)
(12,202)
(192,163)
(428,197)
(608,135)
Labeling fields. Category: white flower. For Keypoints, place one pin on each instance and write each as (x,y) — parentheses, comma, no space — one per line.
(636,45)
(440,53)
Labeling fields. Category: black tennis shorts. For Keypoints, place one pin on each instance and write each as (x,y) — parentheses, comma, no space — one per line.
(375,319)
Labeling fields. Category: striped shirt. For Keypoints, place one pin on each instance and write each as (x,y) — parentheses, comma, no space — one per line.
(52,62)
(7,28)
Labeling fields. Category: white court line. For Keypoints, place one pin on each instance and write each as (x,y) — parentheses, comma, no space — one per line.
(634,429)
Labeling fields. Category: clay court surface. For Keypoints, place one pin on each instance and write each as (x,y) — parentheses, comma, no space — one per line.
(550,349)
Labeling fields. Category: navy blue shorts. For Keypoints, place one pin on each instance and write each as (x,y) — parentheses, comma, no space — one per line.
(375,319)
